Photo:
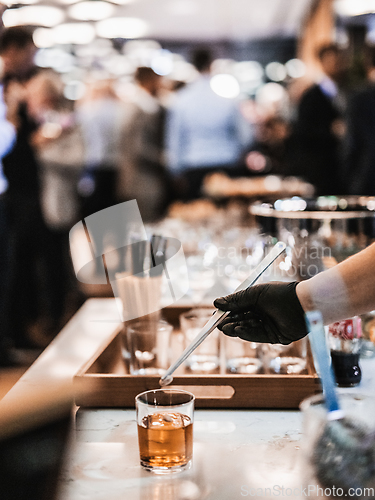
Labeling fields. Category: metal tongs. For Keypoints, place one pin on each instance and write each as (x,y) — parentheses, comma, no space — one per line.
(219,316)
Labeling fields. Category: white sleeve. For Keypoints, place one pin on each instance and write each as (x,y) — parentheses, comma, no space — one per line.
(174,140)
(7,130)
(7,136)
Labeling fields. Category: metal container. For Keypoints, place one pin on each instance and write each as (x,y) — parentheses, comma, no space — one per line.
(319,232)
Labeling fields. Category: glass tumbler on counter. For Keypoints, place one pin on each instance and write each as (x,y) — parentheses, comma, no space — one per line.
(345,344)
(145,347)
(241,356)
(285,359)
(206,358)
(165,429)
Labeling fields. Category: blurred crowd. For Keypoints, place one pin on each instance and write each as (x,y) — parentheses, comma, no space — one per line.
(62,160)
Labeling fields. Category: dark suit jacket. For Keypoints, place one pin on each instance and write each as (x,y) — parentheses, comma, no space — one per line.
(20,165)
(314,149)
(360,143)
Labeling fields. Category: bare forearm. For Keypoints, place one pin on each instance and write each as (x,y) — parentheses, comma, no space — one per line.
(343,291)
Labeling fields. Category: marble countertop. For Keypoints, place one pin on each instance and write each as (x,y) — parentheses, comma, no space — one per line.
(237,453)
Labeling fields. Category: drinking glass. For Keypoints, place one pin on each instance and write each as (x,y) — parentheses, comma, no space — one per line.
(206,358)
(145,347)
(286,359)
(165,429)
(242,356)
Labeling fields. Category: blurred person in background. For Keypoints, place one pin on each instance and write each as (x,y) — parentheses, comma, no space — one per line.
(268,153)
(60,151)
(204,132)
(20,305)
(28,302)
(359,144)
(8,130)
(102,116)
(315,147)
(143,175)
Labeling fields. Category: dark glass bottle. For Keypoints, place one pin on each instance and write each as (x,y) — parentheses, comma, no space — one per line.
(346,368)
(345,343)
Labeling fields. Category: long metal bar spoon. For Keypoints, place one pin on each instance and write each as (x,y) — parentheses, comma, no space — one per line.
(219,316)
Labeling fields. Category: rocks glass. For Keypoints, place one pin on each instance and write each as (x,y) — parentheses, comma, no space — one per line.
(145,347)
(165,429)
(286,359)
(206,358)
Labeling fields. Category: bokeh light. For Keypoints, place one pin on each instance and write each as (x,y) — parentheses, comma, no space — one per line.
(225,85)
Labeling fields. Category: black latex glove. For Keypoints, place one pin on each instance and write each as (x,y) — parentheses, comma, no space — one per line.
(268,312)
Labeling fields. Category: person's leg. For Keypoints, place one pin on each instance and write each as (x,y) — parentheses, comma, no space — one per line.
(28,294)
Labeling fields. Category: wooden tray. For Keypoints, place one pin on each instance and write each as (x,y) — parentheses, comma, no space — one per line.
(117,388)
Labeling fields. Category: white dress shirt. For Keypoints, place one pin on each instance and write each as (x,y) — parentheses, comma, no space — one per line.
(329,87)
(101,121)
(204,129)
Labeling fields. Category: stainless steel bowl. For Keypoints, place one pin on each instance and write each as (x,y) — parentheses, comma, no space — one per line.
(319,232)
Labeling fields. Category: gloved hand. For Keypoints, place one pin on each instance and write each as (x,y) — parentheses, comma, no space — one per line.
(269,312)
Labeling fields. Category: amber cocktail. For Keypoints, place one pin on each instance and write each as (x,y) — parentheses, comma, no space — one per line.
(165,429)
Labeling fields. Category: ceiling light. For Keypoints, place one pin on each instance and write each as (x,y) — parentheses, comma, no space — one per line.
(141,51)
(270,94)
(34,15)
(225,86)
(91,11)
(162,62)
(122,2)
(276,71)
(55,58)
(248,71)
(121,27)
(43,38)
(183,72)
(67,2)
(74,90)
(78,33)
(354,7)
(182,8)
(222,66)
(295,68)
(118,65)
(98,48)
(20,2)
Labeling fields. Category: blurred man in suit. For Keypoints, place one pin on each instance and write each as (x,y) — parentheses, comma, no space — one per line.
(359,144)
(26,230)
(316,138)
(142,174)
(8,122)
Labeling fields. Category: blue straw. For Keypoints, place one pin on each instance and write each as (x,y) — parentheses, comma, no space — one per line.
(317,337)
